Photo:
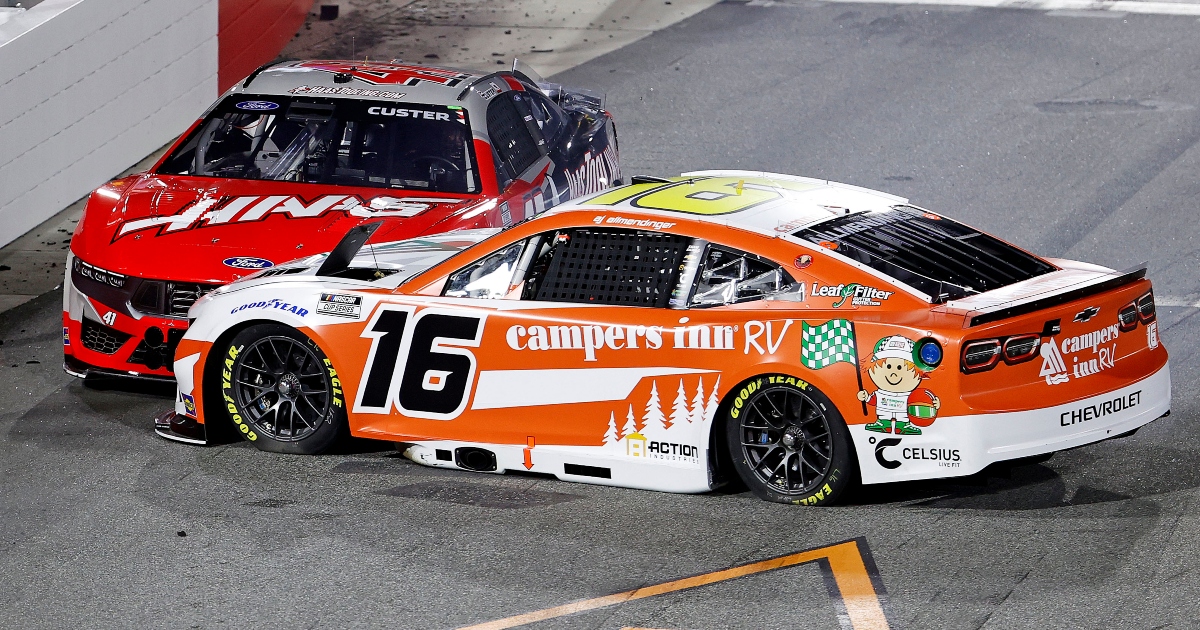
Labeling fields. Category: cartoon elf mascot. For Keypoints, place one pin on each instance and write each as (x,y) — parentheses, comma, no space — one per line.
(897,371)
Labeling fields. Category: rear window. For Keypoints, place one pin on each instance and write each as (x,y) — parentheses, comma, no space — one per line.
(933,254)
(332,141)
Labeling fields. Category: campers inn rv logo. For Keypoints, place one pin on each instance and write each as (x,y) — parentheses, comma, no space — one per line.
(1101,342)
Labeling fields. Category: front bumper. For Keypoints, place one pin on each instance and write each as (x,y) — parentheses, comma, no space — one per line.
(956,446)
(98,339)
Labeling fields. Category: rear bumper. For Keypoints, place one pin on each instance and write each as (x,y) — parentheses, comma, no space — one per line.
(962,445)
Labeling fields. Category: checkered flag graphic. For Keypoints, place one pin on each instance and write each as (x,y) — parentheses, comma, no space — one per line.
(829,343)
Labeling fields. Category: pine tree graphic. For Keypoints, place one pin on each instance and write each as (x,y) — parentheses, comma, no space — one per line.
(710,410)
(679,409)
(654,416)
(611,436)
(697,415)
(630,424)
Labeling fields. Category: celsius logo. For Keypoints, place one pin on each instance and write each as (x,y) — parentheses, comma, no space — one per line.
(943,457)
(257,106)
(883,461)
(245,262)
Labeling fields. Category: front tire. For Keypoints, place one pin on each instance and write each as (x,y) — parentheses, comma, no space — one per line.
(280,391)
(788,442)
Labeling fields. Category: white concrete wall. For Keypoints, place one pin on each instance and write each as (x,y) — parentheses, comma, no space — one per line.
(89,88)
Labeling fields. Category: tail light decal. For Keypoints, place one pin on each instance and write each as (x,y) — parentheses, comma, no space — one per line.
(1127,317)
(1145,307)
(1021,348)
(980,355)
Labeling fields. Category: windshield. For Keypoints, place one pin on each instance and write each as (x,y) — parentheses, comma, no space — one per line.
(332,141)
(943,258)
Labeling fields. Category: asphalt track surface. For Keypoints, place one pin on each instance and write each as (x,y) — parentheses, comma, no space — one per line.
(1070,135)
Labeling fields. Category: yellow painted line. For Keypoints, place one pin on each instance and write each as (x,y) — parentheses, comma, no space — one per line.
(845,561)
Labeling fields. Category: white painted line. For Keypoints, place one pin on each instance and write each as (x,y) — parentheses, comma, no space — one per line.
(1175,300)
(1086,14)
(1116,6)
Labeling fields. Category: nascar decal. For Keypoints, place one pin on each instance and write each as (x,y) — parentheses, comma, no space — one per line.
(340,305)
(654,433)
(421,364)
(244,209)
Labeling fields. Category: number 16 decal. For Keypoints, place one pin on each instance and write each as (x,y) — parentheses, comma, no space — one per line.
(420,364)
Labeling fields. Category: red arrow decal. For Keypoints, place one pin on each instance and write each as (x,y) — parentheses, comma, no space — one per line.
(529,453)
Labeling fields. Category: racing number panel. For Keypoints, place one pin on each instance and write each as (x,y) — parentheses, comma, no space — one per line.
(424,370)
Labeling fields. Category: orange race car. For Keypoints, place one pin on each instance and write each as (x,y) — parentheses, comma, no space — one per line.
(665,334)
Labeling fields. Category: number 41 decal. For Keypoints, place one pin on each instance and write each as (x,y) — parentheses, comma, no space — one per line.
(420,364)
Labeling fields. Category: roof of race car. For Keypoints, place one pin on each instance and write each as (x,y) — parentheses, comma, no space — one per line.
(374,80)
(768,203)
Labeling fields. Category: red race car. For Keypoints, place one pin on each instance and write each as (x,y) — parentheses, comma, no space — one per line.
(290,159)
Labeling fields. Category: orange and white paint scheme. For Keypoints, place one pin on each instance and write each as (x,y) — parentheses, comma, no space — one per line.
(675,333)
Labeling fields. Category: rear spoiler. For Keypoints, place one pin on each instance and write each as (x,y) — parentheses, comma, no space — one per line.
(1128,276)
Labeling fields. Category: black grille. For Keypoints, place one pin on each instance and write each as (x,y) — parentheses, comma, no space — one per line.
(182,295)
(614,267)
(100,338)
(162,355)
(928,252)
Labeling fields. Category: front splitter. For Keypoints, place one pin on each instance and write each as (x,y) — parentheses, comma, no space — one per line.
(177,428)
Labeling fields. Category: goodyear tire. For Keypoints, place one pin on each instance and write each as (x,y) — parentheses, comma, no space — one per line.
(788,442)
(280,391)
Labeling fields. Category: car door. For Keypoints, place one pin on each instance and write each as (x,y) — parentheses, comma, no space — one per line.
(600,323)
(582,336)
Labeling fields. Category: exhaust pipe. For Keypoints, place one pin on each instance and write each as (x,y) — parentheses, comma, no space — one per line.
(474,458)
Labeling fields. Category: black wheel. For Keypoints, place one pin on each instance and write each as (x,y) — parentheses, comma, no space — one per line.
(788,442)
(280,390)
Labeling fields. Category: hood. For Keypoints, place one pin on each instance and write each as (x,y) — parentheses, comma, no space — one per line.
(200,229)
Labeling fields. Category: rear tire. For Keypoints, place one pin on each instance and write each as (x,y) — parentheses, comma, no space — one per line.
(788,442)
(280,391)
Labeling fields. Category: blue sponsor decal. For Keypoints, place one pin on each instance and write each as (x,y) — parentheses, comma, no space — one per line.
(275,304)
(257,106)
(189,404)
(247,262)
(66,336)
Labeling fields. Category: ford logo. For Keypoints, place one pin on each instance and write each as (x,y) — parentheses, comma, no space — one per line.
(246,262)
(257,106)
